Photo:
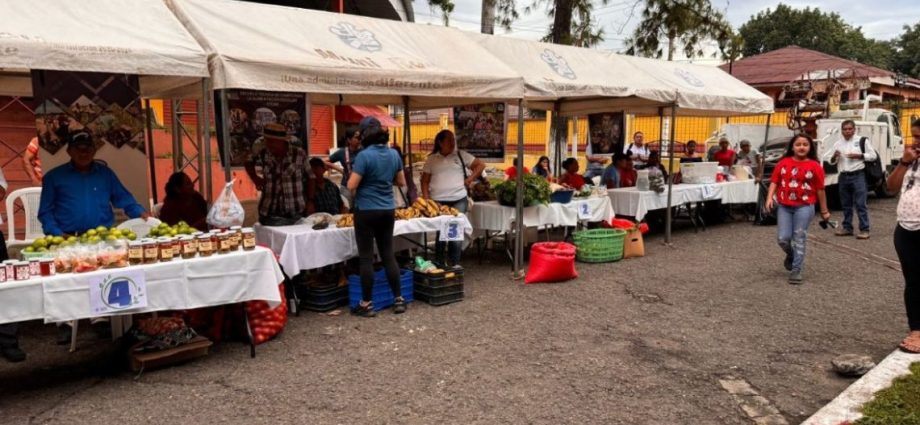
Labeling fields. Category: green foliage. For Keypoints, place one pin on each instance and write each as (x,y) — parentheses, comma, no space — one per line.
(812,29)
(536,190)
(683,24)
(906,57)
(896,405)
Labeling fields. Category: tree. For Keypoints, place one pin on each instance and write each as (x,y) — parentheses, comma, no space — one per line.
(906,57)
(684,24)
(812,29)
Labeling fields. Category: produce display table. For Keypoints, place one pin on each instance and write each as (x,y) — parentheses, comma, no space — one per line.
(299,247)
(492,217)
(628,201)
(175,285)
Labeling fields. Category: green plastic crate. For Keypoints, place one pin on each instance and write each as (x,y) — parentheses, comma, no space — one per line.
(599,245)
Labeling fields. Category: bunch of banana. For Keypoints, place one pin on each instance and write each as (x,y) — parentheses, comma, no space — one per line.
(427,207)
(347,220)
(407,213)
(445,210)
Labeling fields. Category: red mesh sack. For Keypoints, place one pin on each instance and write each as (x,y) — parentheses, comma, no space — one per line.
(265,323)
(551,262)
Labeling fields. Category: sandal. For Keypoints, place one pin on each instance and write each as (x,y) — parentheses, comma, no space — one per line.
(911,344)
(364,310)
(399,305)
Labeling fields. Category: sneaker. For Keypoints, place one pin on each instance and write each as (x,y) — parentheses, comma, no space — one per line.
(13,354)
(843,232)
(795,277)
(787,263)
(399,306)
(863,234)
(364,311)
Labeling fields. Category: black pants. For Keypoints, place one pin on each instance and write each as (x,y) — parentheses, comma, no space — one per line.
(371,226)
(907,244)
(9,331)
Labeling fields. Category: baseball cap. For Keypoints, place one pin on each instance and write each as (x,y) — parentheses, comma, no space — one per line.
(369,123)
(80,139)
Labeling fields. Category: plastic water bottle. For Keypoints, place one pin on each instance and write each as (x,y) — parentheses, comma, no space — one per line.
(642,183)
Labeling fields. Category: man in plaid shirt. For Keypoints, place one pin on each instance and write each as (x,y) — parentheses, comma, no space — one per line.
(284,173)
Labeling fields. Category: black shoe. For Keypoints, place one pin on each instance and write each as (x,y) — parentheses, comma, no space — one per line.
(103,329)
(364,311)
(795,277)
(13,354)
(399,306)
(64,333)
(788,262)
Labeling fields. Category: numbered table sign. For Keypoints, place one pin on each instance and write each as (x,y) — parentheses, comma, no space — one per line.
(452,230)
(709,191)
(118,291)
(584,211)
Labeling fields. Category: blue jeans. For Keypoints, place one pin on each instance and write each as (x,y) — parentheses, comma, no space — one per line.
(453,248)
(853,193)
(792,232)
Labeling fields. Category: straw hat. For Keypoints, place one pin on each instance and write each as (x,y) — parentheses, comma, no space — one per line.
(275,131)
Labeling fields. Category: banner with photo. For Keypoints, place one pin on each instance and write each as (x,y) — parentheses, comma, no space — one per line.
(251,110)
(481,130)
(106,105)
(605,132)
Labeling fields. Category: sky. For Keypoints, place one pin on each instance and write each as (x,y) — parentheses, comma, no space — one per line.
(880,19)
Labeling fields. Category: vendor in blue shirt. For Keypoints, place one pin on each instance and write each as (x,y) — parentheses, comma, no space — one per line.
(79,195)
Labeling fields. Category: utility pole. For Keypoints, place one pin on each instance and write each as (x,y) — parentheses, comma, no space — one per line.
(487,24)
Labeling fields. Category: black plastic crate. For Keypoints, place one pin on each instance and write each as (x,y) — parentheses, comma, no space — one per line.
(436,300)
(437,291)
(306,305)
(433,280)
(325,295)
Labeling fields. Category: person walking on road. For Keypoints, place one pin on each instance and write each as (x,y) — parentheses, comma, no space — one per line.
(907,234)
(848,156)
(798,183)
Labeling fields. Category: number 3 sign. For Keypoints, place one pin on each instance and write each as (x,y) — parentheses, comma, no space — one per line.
(113,293)
(452,230)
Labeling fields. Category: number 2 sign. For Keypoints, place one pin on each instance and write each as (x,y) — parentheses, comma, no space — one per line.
(584,211)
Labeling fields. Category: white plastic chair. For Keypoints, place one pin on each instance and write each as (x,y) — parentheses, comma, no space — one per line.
(30,198)
(139,226)
(156,209)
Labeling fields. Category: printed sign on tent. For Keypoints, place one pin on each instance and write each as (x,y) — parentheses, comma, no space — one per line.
(251,110)
(605,132)
(481,130)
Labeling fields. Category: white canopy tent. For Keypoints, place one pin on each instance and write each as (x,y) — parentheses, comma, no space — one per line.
(343,59)
(139,37)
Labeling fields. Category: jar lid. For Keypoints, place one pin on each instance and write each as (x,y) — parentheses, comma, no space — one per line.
(249,230)
(205,237)
(185,238)
(22,264)
(135,243)
(235,228)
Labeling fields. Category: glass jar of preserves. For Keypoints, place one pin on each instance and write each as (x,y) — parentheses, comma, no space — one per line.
(135,253)
(223,242)
(22,270)
(249,239)
(35,267)
(151,251)
(188,248)
(47,267)
(205,246)
(10,266)
(166,249)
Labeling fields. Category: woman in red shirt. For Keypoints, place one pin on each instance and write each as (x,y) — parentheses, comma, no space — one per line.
(798,183)
(570,177)
(724,156)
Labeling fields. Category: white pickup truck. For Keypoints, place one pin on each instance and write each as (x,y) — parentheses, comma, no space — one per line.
(881,127)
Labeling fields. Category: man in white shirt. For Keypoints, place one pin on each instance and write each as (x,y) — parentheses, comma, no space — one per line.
(9,341)
(637,150)
(850,160)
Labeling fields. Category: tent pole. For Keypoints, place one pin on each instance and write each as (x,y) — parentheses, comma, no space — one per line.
(204,157)
(519,197)
(225,132)
(177,135)
(407,131)
(667,221)
(151,158)
(766,136)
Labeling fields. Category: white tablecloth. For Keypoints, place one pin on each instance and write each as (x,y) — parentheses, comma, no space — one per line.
(493,217)
(630,202)
(299,247)
(176,285)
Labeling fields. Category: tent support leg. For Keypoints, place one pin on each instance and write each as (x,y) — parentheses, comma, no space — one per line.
(667,221)
(151,158)
(225,131)
(519,197)
(204,157)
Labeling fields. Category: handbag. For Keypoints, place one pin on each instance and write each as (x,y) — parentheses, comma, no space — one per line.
(873,169)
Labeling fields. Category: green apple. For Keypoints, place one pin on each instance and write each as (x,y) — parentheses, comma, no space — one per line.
(28,249)
(92,232)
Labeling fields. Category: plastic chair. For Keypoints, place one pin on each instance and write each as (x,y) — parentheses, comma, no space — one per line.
(139,226)
(30,198)
(156,209)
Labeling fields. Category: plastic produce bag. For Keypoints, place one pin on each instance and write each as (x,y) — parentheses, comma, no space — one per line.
(551,262)
(227,210)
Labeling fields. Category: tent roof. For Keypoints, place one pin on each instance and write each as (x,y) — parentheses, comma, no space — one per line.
(139,37)
(584,81)
(343,59)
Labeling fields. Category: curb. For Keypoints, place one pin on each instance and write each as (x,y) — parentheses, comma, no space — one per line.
(845,407)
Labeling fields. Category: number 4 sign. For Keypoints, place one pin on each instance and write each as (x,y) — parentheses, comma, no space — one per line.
(451,230)
(112,293)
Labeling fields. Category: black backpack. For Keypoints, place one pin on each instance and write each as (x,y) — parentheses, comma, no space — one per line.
(873,169)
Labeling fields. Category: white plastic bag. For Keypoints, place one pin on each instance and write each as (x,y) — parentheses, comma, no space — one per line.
(227,210)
